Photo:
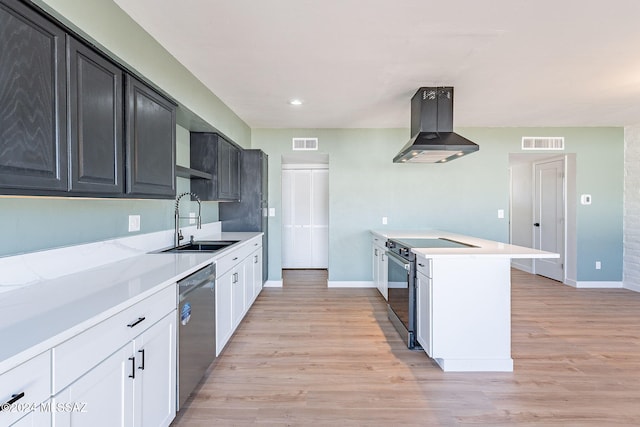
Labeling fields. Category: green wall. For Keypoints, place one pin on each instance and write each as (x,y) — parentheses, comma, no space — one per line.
(462,196)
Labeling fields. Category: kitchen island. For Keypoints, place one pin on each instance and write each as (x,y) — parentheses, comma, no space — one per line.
(463,299)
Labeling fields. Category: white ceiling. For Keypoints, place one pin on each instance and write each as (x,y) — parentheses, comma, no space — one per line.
(356,63)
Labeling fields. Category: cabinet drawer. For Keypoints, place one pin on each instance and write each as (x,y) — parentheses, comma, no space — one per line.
(33,378)
(423,265)
(227,262)
(79,354)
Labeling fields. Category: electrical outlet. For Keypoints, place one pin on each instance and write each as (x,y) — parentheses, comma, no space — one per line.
(500,213)
(192,217)
(134,223)
(272,211)
(384,220)
(598,265)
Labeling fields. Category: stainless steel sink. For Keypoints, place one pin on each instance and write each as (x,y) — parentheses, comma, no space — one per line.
(202,246)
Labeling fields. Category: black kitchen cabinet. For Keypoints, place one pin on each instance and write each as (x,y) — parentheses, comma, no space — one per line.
(250,213)
(95,122)
(150,142)
(33,138)
(213,154)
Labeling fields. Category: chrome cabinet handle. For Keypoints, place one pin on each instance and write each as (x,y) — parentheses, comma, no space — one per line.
(14,399)
(256,259)
(133,324)
(375,252)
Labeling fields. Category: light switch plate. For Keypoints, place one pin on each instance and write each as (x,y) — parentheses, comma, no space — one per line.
(500,213)
(384,220)
(585,199)
(134,223)
(192,217)
(272,211)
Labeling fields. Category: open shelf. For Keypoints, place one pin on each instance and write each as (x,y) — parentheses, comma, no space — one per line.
(184,172)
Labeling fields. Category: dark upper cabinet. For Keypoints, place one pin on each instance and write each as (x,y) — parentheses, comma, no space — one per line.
(150,142)
(213,154)
(95,121)
(33,139)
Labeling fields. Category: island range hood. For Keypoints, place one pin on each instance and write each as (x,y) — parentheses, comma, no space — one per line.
(432,137)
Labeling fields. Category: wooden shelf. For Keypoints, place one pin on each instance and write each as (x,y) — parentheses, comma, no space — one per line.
(184,172)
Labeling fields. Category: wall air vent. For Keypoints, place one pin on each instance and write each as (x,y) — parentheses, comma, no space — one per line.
(543,142)
(305,144)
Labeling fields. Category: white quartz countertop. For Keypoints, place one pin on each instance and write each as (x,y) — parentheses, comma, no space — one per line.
(483,248)
(37,317)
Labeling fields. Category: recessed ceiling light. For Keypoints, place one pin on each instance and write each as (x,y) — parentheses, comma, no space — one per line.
(295,102)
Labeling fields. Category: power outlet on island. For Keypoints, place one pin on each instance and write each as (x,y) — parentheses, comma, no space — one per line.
(192,217)
(134,223)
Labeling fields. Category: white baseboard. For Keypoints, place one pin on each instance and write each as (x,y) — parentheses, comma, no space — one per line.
(350,284)
(598,285)
(522,267)
(632,287)
(272,284)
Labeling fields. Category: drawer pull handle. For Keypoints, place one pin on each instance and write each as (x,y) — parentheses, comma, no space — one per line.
(421,265)
(235,259)
(255,244)
(133,367)
(140,319)
(141,367)
(256,259)
(14,399)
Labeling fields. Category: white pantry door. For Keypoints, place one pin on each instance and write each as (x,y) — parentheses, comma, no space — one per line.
(305,218)
(548,232)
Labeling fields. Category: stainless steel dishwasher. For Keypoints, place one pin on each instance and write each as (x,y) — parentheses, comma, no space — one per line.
(196,329)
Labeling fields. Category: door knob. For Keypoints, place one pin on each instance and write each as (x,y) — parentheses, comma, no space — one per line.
(537,224)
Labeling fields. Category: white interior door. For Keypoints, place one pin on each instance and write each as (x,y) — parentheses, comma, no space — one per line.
(305,218)
(549,217)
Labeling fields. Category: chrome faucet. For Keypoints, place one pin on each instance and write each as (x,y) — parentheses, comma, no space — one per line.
(178,233)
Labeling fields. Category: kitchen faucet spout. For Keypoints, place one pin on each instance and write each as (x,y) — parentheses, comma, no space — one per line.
(177,232)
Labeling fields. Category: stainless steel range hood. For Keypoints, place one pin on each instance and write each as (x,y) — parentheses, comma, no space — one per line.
(432,137)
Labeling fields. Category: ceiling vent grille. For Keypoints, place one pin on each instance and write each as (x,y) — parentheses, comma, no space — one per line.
(543,143)
(305,144)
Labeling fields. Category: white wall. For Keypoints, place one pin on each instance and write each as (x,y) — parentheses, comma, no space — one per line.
(522,210)
(631,257)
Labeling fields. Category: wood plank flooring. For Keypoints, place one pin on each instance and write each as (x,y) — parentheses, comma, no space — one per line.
(309,355)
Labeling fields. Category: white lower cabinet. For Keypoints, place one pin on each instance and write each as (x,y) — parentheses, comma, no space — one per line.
(380,265)
(424,313)
(236,288)
(39,417)
(122,371)
(23,389)
(135,386)
(256,263)
(224,317)
(103,396)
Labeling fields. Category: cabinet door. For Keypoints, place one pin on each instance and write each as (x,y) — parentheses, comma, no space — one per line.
(224,318)
(228,171)
(104,394)
(423,313)
(41,417)
(155,403)
(249,287)
(237,295)
(95,121)
(33,139)
(151,136)
(257,273)
(383,273)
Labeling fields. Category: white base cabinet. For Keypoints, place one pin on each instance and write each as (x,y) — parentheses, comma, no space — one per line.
(463,312)
(380,265)
(238,283)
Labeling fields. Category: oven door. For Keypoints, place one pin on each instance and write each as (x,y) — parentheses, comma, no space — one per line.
(400,296)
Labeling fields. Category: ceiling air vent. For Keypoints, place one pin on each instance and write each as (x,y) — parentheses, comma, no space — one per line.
(305,144)
(543,143)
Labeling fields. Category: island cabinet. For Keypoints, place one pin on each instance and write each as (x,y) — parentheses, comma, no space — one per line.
(122,371)
(150,142)
(94,122)
(236,288)
(33,102)
(213,154)
(463,312)
(380,265)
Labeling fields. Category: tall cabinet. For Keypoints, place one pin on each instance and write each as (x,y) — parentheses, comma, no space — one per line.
(250,213)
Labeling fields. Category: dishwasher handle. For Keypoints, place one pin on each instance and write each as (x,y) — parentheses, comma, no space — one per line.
(197,279)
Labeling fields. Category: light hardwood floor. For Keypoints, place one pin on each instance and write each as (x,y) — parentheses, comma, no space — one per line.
(309,355)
